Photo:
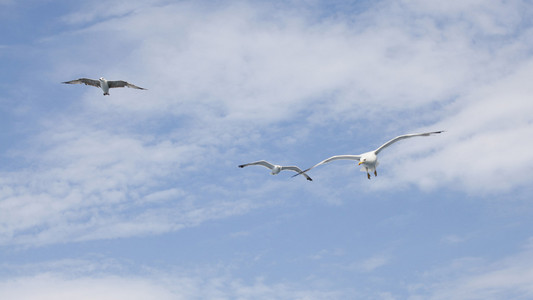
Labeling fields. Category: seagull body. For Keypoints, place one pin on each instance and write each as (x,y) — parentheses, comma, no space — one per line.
(369,160)
(275,169)
(104,84)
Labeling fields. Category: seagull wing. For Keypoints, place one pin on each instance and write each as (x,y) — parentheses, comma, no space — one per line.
(297,170)
(336,157)
(405,136)
(122,83)
(86,81)
(260,163)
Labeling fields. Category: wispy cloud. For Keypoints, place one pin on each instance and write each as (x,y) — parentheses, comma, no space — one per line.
(511,277)
(92,184)
(372,263)
(485,145)
(89,281)
(453,239)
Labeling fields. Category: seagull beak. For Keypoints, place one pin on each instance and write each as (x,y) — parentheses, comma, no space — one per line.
(359,163)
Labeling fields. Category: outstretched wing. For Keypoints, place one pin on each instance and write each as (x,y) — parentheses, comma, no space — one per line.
(297,170)
(122,83)
(260,163)
(405,136)
(86,81)
(336,157)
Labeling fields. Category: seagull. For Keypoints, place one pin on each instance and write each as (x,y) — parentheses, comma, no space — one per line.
(104,84)
(369,160)
(276,168)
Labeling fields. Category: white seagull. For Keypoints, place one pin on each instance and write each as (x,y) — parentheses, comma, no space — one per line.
(276,168)
(369,160)
(104,84)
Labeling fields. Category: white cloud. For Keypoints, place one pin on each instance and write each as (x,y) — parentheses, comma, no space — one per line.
(453,239)
(372,263)
(508,278)
(91,184)
(51,286)
(485,148)
(263,69)
(265,72)
(48,286)
(81,280)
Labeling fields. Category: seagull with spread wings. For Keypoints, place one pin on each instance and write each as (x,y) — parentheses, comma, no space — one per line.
(369,160)
(104,84)
(276,168)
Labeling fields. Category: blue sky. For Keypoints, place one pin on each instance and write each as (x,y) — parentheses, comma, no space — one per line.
(137,195)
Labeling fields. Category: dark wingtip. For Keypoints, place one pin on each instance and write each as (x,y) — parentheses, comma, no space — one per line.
(301,172)
(241,166)
(310,179)
(433,132)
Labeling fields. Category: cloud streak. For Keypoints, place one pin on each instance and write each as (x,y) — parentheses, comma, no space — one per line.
(510,277)
(90,281)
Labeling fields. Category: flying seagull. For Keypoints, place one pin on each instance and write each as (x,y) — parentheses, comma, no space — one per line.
(276,168)
(369,160)
(104,84)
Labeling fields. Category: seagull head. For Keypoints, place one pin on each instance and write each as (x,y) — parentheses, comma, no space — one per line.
(368,158)
(102,79)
